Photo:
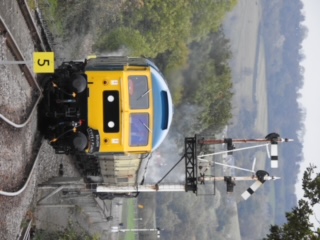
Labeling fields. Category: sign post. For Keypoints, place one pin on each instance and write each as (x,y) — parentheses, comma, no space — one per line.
(43,62)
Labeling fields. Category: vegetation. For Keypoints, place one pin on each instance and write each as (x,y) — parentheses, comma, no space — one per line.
(32,4)
(183,37)
(298,225)
(186,41)
(130,219)
(50,9)
(164,26)
(210,75)
(187,216)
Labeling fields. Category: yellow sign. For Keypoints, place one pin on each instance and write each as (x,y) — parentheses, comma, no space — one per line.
(43,62)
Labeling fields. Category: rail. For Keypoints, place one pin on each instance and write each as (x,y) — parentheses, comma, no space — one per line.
(16,193)
(40,44)
(25,232)
(12,45)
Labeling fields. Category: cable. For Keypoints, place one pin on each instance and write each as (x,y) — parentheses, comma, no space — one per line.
(170,170)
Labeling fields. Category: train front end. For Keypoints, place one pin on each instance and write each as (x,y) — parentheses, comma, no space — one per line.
(107,105)
(120,109)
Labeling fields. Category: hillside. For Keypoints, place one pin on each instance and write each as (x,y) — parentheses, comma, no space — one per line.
(250,84)
(281,35)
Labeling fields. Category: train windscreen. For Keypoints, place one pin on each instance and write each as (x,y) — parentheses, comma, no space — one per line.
(139,129)
(139,92)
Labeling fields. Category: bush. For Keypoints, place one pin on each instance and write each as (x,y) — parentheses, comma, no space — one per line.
(127,38)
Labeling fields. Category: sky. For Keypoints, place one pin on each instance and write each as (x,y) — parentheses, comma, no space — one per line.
(311,92)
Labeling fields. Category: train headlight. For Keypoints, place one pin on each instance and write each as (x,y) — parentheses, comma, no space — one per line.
(110,98)
(111,124)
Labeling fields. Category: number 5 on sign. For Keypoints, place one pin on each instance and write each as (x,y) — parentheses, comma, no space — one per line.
(43,62)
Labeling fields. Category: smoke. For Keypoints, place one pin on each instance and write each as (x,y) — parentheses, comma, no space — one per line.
(184,124)
(123,51)
(162,161)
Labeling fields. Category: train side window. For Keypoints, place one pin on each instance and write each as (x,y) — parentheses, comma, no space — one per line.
(165,110)
(139,129)
(139,92)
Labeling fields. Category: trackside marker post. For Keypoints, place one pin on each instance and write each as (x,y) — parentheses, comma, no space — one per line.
(43,62)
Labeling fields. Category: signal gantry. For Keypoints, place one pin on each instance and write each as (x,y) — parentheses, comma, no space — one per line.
(195,175)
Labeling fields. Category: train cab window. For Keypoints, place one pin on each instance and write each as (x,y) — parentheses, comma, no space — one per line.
(139,92)
(139,129)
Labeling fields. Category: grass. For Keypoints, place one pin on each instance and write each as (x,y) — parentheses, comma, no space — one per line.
(128,216)
(130,219)
(49,9)
(32,4)
(52,4)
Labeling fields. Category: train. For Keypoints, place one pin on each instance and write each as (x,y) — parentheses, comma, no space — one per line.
(108,112)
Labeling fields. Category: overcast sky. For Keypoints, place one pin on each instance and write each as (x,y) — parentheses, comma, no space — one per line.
(311,90)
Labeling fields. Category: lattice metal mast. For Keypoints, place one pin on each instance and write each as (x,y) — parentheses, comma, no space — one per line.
(194,177)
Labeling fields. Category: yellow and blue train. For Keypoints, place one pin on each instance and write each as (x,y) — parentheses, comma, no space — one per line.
(106,105)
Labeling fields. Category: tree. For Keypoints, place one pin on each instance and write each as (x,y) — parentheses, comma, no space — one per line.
(298,225)
(311,186)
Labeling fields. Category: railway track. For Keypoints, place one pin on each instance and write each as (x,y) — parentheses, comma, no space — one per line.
(16,52)
(24,186)
(25,233)
(39,36)
(40,46)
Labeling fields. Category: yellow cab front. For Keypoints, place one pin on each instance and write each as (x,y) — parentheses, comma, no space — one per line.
(120,110)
